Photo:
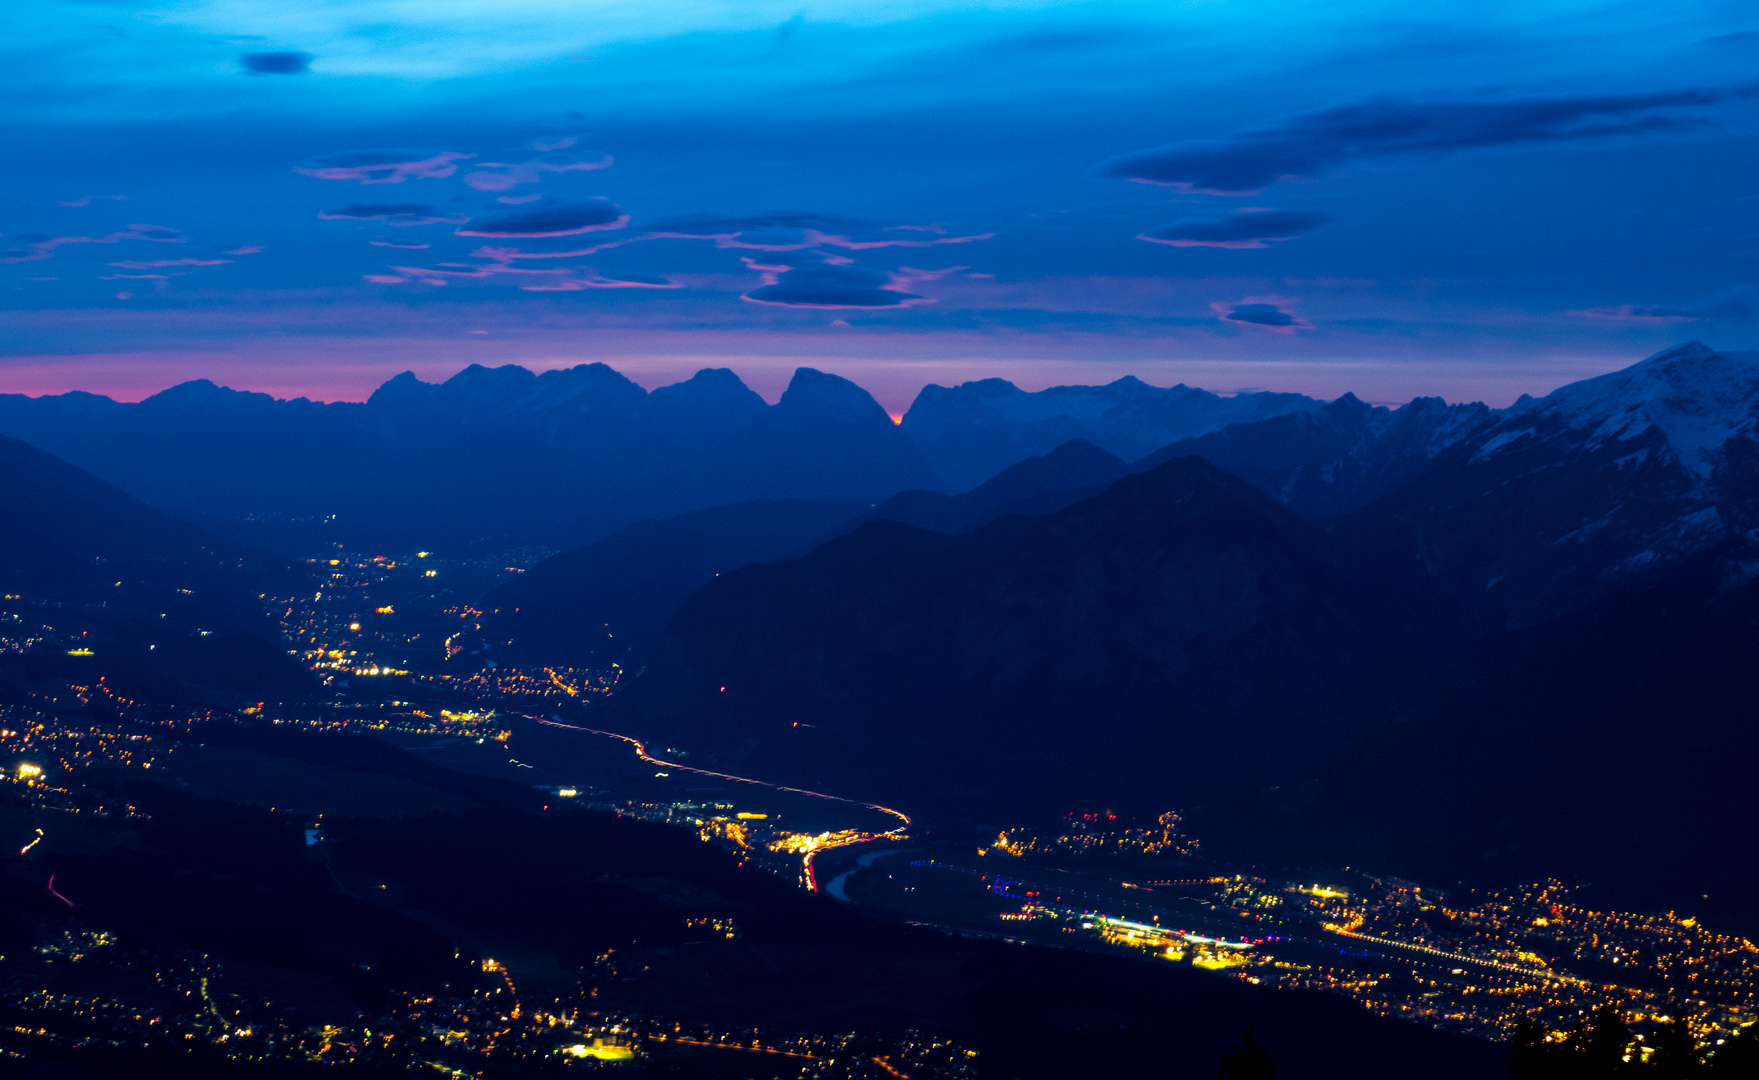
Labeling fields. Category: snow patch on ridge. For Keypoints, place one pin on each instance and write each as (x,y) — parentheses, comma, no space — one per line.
(1699,398)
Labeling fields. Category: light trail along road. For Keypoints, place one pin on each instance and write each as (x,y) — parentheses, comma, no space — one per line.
(811,879)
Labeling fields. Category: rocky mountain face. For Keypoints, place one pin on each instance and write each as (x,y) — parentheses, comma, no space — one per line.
(1602,485)
(1328,461)
(1535,651)
(974,430)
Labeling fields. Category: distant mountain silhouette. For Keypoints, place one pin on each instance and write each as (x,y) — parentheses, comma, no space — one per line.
(1528,649)
(1328,461)
(972,431)
(500,457)
(499,454)
(163,608)
(619,593)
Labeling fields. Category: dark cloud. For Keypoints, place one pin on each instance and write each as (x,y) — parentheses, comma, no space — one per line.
(550,217)
(391,213)
(1247,229)
(384,166)
(1270,312)
(275,63)
(1260,315)
(830,286)
(1312,143)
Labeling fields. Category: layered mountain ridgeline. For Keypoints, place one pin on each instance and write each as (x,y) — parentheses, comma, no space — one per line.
(500,454)
(597,602)
(99,585)
(1340,457)
(509,457)
(616,595)
(1534,657)
(972,431)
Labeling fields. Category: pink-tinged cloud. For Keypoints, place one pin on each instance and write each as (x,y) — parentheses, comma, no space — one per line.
(1268,312)
(597,281)
(399,215)
(1242,230)
(156,263)
(387,279)
(384,166)
(248,249)
(801,240)
(135,277)
(1739,304)
(509,254)
(403,247)
(45,249)
(505,176)
(86,200)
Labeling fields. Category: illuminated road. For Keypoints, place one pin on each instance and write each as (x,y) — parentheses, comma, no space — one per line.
(1460,958)
(811,879)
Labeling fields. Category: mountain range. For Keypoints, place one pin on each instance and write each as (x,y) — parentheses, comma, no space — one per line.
(1533,654)
(502,456)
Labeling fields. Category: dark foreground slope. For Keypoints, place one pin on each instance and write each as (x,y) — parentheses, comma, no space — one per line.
(1535,658)
(98,584)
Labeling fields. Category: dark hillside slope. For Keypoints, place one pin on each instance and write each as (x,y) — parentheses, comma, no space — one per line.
(1038,485)
(1105,647)
(165,609)
(606,598)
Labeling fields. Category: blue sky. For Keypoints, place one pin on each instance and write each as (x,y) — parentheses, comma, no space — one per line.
(1475,200)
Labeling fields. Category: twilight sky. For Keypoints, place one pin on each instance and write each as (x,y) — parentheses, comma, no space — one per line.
(1467,199)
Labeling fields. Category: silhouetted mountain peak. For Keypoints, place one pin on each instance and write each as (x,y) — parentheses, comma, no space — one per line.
(712,394)
(204,394)
(830,397)
(1348,406)
(976,429)
(400,390)
(476,384)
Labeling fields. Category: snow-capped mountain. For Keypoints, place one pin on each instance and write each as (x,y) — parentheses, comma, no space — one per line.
(1606,482)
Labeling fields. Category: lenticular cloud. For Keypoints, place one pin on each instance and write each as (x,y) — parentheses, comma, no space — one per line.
(550,217)
(1241,230)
